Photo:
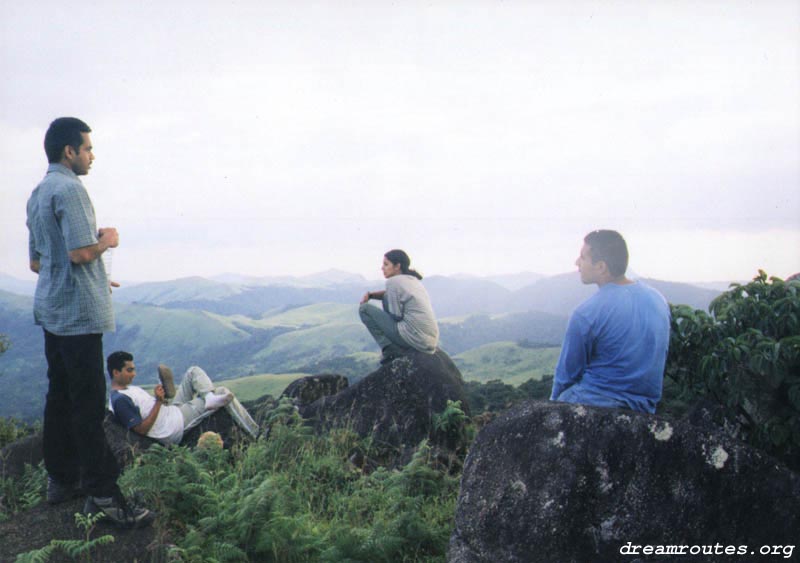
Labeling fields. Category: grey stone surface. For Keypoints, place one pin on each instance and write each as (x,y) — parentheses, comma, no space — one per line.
(395,404)
(553,482)
(308,389)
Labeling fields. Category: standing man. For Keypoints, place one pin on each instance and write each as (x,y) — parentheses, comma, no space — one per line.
(73,306)
(616,343)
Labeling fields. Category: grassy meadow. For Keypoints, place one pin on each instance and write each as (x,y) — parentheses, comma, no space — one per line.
(508,362)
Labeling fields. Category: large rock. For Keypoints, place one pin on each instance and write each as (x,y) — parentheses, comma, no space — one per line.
(395,404)
(124,443)
(308,389)
(552,482)
(16,455)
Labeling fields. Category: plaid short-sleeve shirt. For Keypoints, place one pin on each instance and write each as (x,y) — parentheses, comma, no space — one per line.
(70,299)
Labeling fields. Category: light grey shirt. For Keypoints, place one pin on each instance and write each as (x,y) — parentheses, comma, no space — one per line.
(70,299)
(408,302)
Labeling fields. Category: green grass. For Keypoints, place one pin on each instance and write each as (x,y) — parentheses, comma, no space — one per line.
(322,342)
(507,361)
(252,387)
(314,315)
(256,386)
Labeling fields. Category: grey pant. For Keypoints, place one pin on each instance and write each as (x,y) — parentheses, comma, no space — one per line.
(190,399)
(382,327)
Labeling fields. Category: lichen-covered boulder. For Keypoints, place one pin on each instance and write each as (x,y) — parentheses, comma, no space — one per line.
(552,482)
(396,405)
(308,389)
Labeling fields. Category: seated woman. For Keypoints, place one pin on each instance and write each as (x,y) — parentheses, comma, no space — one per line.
(406,320)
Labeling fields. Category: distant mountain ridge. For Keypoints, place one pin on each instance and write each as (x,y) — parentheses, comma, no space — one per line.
(237,329)
(15,285)
(326,278)
(451,296)
(497,293)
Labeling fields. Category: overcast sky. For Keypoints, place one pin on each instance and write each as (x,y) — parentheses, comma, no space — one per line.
(271,138)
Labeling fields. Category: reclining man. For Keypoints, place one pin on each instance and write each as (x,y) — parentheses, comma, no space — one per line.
(169,414)
(615,347)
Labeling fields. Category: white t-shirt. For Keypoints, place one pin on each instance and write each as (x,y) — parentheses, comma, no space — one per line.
(132,405)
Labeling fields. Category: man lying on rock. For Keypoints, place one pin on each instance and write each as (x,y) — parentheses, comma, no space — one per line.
(170,413)
(616,343)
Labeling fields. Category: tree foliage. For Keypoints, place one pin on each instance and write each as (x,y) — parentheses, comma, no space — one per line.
(496,396)
(745,357)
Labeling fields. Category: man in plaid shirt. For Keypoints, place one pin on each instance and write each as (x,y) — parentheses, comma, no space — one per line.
(73,305)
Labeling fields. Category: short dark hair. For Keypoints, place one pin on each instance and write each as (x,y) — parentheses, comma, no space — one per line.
(62,132)
(116,361)
(610,247)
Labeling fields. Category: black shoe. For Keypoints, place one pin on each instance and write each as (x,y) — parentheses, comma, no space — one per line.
(119,512)
(61,492)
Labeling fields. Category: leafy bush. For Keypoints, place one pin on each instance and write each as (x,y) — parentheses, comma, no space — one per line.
(297,497)
(745,357)
(12,430)
(22,492)
(496,396)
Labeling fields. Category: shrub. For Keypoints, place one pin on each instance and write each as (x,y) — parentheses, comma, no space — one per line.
(297,497)
(12,430)
(745,357)
(22,492)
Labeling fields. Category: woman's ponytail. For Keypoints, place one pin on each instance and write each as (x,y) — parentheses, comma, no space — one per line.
(397,256)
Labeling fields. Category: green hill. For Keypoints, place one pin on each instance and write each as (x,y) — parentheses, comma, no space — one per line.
(234,330)
(254,387)
(507,361)
(313,315)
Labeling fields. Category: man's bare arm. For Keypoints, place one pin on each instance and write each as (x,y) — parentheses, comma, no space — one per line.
(145,425)
(108,238)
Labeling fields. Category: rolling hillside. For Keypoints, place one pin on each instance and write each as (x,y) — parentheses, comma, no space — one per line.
(507,361)
(234,330)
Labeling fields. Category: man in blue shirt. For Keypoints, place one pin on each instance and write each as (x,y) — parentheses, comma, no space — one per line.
(616,343)
(73,305)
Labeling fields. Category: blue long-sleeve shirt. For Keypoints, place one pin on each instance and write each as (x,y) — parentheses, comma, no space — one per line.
(616,345)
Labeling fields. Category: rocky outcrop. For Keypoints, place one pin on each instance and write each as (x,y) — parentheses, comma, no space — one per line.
(396,404)
(16,455)
(126,444)
(308,389)
(552,482)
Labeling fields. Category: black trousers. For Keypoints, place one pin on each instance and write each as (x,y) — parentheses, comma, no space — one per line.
(75,446)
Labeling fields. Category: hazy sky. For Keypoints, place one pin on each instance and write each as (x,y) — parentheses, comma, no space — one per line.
(271,138)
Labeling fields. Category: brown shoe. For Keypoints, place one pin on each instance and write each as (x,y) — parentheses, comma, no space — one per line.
(167,380)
